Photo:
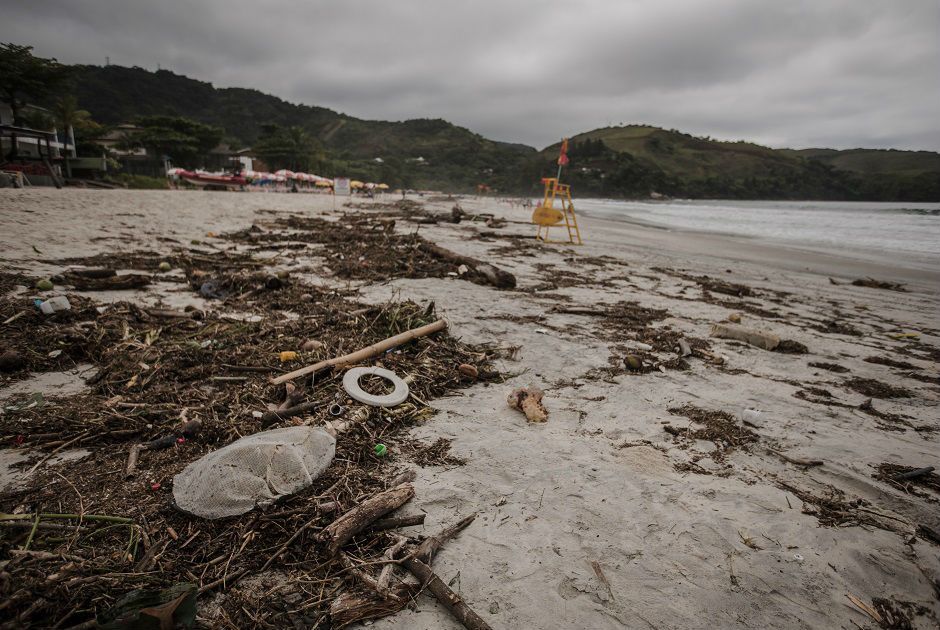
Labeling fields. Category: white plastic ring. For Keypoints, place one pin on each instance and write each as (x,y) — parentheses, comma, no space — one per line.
(351,385)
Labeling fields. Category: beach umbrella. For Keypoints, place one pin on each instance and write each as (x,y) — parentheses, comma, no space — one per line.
(286,174)
(383,186)
(323,183)
(356,184)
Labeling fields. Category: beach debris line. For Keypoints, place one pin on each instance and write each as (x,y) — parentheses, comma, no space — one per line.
(366,246)
(528,400)
(147,369)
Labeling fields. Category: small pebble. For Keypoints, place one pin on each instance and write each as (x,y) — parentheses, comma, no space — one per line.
(311,344)
(165,266)
(470,371)
(633,362)
(44,285)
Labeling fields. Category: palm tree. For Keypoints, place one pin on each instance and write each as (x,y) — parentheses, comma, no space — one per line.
(70,116)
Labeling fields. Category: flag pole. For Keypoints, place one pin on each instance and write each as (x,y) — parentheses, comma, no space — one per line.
(564,152)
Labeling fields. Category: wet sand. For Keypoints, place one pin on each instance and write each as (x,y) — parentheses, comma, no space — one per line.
(686,533)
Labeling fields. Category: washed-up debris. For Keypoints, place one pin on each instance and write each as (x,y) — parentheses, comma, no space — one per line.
(901,365)
(149,369)
(112,282)
(396,397)
(904,476)
(757,338)
(54,305)
(878,284)
(365,353)
(720,428)
(469,371)
(253,471)
(45,284)
(11,360)
(831,367)
(528,400)
(366,246)
(143,609)
(876,389)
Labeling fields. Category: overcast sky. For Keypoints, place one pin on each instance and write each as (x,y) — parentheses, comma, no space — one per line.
(799,73)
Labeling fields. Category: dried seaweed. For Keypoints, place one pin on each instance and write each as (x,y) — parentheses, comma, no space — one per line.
(876,389)
(721,428)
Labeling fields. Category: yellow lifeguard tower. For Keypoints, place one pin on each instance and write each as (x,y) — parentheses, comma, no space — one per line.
(547,215)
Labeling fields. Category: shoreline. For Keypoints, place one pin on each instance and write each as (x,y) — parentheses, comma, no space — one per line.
(648,477)
(903,266)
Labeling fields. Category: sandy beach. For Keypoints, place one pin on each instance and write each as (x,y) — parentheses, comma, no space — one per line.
(625,509)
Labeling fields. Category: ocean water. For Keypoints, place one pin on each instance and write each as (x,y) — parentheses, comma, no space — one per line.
(902,233)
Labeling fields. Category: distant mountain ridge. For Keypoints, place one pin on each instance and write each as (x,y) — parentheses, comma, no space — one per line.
(626,161)
(632,159)
(452,157)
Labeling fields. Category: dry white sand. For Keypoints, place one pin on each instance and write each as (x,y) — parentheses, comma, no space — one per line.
(598,482)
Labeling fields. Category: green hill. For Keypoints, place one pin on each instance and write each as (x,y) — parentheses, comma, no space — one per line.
(875,160)
(628,161)
(453,158)
(635,160)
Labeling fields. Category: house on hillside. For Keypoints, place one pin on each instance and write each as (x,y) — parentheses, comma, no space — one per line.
(36,154)
(226,158)
(116,141)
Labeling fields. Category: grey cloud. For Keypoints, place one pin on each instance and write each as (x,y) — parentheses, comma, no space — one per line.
(837,73)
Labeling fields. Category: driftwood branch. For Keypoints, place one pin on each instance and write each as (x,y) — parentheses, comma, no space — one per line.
(432,544)
(448,598)
(398,521)
(340,531)
(365,353)
(478,271)
(385,575)
(270,417)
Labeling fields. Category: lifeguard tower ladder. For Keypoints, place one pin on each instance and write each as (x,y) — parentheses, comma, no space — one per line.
(547,215)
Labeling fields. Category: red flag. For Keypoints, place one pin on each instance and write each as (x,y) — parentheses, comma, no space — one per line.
(563,156)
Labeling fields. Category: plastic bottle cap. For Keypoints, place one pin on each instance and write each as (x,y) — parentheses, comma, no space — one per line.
(380,449)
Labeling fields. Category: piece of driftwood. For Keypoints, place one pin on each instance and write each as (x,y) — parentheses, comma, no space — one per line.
(757,338)
(443,593)
(479,271)
(351,606)
(385,575)
(426,550)
(132,458)
(270,417)
(397,521)
(796,460)
(340,531)
(165,313)
(365,353)
(93,272)
(913,474)
(109,283)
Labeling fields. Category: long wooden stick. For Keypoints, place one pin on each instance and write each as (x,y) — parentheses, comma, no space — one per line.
(365,353)
(448,598)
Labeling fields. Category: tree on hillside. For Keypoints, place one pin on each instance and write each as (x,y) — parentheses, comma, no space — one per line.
(24,76)
(288,147)
(185,142)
